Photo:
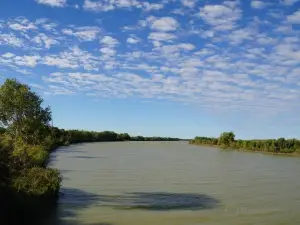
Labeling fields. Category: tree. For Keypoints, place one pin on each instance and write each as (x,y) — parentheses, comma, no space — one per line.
(22,114)
(124,137)
(226,138)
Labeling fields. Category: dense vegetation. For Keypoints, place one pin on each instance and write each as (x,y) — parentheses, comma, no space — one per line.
(227,140)
(66,137)
(23,150)
(26,140)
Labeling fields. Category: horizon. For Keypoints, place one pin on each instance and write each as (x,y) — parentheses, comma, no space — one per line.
(159,68)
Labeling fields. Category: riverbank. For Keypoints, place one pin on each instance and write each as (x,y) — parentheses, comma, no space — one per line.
(294,154)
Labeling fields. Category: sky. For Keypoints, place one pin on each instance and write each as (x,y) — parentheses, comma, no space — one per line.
(179,68)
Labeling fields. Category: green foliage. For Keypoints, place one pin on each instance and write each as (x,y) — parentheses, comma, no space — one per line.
(21,112)
(25,140)
(123,137)
(141,138)
(66,137)
(36,153)
(227,140)
(38,181)
(205,140)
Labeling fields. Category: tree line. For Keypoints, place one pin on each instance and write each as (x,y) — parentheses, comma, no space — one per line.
(26,140)
(227,140)
(66,137)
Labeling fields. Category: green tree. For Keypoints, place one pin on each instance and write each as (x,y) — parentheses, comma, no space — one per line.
(124,137)
(22,114)
(226,138)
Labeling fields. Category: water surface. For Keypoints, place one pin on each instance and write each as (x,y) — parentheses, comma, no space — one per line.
(173,183)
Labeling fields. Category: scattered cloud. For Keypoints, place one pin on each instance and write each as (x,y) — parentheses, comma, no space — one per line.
(83,33)
(107,51)
(108,5)
(10,40)
(152,6)
(189,3)
(8,55)
(164,24)
(258,4)
(73,58)
(133,40)
(294,18)
(221,17)
(21,24)
(53,3)
(43,40)
(212,53)
(158,37)
(109,41)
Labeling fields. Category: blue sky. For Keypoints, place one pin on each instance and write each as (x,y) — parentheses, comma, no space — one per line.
(168,67)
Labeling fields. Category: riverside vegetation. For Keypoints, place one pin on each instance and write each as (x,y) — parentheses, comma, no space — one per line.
(26,140)
(227,140)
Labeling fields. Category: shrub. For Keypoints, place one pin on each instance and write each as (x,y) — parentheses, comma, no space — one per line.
(49,144)
(36,153)
(38,181)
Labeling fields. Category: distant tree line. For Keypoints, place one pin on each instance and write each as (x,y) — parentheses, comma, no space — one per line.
(60,137)
(227,140)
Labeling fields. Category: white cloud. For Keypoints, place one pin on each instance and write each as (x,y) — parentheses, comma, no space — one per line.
(173,51)
(108,5)
(189,3)
(88,33)
(186,46)
(108,51)
(72,59)
(97,6)
(19,62)
(29,61)
(152,6)
(45,41)
(53,3)
(8,55)
(258,4)
(21,24)
(164,24)
(294,18)
(109,41)
(220,17)
(133,40)
(157,37)
(239,36)
(11,40)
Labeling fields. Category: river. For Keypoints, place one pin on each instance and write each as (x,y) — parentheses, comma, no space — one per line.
(174,183)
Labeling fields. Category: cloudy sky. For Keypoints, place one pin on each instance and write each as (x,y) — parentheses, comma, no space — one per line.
(167,67)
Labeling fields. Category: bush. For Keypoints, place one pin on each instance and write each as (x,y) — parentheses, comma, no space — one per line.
(36,153)
(49,144)
(38,181)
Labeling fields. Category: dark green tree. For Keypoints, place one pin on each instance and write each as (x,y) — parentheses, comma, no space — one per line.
(22,114)
(226,138)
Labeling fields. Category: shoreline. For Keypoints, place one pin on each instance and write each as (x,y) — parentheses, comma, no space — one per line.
(294,154)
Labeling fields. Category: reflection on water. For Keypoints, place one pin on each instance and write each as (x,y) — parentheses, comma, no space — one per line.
(174,184)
